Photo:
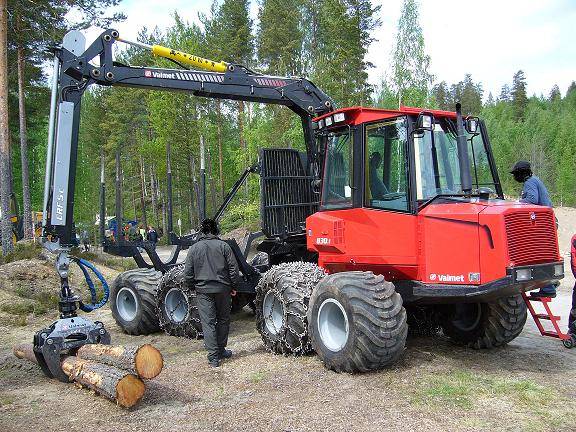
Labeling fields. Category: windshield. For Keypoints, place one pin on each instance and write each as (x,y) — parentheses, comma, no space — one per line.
(337,185)
(437,168)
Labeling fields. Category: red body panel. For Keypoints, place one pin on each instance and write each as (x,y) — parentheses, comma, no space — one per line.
(446,243)
(384,242)
(356,115)
(450,243)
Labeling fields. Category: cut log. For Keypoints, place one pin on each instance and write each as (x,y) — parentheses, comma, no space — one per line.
(145,360)
(118,385)
(115,384)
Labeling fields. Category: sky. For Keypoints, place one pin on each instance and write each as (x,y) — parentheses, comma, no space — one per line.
(490,40)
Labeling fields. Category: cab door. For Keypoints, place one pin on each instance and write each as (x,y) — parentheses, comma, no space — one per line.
(378,230)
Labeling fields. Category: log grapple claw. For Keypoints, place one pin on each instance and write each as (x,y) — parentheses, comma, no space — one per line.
(65,336)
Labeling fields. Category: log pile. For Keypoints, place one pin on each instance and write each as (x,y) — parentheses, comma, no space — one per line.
(113,371)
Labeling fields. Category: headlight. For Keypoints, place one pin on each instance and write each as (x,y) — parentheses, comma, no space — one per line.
(321,123)
(559,270)
(523,274)
(328,121)
(339,117)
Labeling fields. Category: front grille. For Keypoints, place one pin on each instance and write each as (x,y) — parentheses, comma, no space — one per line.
(531,237)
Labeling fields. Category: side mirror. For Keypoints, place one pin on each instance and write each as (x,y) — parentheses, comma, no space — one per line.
(425,122)
(471,124)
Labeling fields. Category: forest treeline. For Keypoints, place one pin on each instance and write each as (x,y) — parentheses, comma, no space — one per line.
(326,41)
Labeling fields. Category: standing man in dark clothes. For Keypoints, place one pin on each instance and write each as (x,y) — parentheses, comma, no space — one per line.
(533,192)
(152,236)
(212,269)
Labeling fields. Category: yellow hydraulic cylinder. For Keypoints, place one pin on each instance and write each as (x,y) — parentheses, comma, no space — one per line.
(189,59)
(181,57)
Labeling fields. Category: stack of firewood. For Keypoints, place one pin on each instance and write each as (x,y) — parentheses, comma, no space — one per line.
(113,371)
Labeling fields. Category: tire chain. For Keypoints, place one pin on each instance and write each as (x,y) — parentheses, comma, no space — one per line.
(304,275)
(174,278)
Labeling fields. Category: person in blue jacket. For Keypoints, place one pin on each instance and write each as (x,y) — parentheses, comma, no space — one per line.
(533,192)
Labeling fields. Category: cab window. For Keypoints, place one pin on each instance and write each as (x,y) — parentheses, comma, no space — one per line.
(387,165)
(337,185)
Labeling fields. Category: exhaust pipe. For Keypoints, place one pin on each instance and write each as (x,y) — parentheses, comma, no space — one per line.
(463,160)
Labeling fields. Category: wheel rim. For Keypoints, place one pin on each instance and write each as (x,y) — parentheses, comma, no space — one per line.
(467,316)
(127,304)
(333,324)
(273,311)
(176,305)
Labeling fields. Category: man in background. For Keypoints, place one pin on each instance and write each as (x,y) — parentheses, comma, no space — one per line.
(212,270)
(533,192)
(86,240)
(572,316)
(152,236)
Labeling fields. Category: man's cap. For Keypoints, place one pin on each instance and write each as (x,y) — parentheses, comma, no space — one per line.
(520,166)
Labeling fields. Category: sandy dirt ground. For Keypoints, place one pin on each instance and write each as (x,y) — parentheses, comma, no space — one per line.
(437,386)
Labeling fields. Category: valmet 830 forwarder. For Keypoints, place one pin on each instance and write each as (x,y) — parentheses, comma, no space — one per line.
(390,218)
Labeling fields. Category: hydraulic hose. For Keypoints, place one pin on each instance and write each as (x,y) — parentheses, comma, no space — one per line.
(84,266)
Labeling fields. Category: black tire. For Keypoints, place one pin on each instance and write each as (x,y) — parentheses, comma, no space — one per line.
(133,301)
(485,325)
(177,308)
(376,322)
(286,289)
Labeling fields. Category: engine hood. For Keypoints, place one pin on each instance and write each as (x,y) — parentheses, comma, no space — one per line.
(469,209)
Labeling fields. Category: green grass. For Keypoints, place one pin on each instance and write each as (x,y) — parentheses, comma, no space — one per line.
(461,389)
(42,302)
(114,262)
(23,250)
(6,400)
(21,308)
(257,377)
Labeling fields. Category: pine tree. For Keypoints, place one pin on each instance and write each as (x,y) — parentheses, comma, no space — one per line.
(519,98)
(490,101)
(471,98)
(571,88)
(280,37)
(441,95)
(410,69)
(280,42)
(230,29)
(554,93)
(504,93)
(342,41)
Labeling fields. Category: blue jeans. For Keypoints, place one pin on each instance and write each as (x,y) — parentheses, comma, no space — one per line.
(572,316)
(549,289)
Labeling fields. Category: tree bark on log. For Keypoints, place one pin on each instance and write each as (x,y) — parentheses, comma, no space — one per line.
(117,385)
(145,360)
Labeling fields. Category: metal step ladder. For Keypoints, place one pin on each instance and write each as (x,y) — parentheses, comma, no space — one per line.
(548,316)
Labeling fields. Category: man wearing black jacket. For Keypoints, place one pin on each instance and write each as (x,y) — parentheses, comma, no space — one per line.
(212,270)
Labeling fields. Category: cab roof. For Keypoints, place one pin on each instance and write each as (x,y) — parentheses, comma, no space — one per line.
(358,114)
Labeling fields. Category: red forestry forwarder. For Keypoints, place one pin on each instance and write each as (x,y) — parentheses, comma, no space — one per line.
(390,219)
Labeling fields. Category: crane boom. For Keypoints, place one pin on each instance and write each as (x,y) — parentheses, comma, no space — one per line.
(78,70)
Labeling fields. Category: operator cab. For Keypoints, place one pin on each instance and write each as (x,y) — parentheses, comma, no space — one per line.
(387,160)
